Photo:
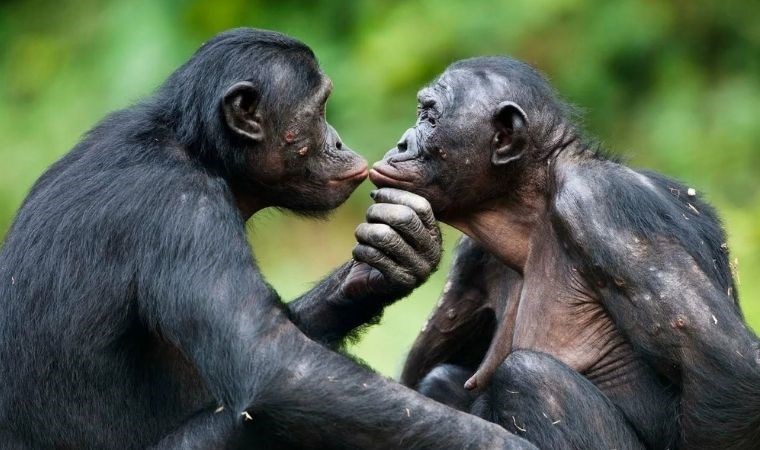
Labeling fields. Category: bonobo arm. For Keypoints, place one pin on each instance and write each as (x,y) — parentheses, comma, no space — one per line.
(211,302)
(463,322)
(663,277)
(399,246)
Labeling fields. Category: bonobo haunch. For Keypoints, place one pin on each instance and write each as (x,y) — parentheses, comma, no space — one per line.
(591,305)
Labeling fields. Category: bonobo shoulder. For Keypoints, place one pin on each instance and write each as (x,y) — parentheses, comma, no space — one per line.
(598,198)
(600,207)
(579,208)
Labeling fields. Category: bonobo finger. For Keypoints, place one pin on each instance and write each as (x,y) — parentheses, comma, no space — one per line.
(419,204)
(405,221)
(386,266)
(392,245)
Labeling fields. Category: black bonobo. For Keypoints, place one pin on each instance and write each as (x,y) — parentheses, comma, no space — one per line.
(132,313)
(590,305)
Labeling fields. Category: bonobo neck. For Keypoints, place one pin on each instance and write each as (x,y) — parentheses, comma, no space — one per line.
(505,226)
(247,204)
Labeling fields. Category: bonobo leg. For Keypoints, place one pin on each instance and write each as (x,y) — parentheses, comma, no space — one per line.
(541,399)
(445,384)
(320,399)
(538,398)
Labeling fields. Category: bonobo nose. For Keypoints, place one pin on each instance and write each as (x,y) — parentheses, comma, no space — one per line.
(335,138)
(406,148)
(409,139)
(402,145)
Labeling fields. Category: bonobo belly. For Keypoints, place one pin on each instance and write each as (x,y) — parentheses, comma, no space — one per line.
(562,318)
(559,314)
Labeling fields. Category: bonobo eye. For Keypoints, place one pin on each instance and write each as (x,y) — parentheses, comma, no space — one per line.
(426,111)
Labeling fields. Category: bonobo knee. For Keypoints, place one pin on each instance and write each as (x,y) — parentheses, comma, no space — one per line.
(445,384)
(537,397)
(527,368)
(528,377)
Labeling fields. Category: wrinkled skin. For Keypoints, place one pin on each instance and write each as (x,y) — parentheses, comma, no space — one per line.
(400,244)
(300,164)
(440,158)
(591,305)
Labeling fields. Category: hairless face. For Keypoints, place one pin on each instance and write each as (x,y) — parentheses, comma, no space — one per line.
(301,162)
(467,133)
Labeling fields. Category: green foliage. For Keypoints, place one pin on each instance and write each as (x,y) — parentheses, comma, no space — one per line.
(673,86)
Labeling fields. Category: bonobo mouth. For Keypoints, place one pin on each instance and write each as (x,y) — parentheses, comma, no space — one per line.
(353,175)
(383,174)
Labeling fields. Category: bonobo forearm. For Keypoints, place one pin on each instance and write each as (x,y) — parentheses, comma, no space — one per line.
(208,429)
(329,315)
(398,247)
(323,400)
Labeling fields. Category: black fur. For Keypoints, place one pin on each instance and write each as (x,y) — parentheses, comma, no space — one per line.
(637,260)
(132,313)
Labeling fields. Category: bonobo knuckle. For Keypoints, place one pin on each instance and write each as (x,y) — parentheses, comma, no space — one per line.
(390,213)
(398,196)
(373,233)
(420,205)
(434,254)
(406,280)
(404,214)
(360,230)
(424,269)
(381,233)
(375,211)
(366,254)
(416,199)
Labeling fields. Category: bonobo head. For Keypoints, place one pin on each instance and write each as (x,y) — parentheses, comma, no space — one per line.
(484,131)
(250,106)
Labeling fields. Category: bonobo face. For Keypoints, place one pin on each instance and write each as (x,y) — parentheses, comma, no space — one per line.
(320,171)
(300,162)
(457,150)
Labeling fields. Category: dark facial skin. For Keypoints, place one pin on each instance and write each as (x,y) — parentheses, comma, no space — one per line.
(442,157)
(300,164)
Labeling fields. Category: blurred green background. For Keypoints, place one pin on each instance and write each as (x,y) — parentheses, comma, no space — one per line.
(673,86)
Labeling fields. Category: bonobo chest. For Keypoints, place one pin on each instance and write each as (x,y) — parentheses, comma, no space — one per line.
(559,313)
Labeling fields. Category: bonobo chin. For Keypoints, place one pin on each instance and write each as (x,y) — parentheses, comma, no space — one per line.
(590,305)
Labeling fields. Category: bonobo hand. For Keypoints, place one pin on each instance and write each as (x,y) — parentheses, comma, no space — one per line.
(398,247)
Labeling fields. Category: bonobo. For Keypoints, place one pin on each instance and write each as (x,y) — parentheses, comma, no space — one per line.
(591,305)
(132,313)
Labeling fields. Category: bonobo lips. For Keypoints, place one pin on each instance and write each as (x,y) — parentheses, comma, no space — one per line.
(358,174)
(383,174)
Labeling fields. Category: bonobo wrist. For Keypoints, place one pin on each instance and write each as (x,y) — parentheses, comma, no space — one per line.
(364,282)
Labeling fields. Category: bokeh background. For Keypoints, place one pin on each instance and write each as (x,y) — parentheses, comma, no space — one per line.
(670,85)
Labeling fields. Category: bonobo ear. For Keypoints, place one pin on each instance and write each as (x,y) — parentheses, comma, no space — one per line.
(239,106)
(510,139)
